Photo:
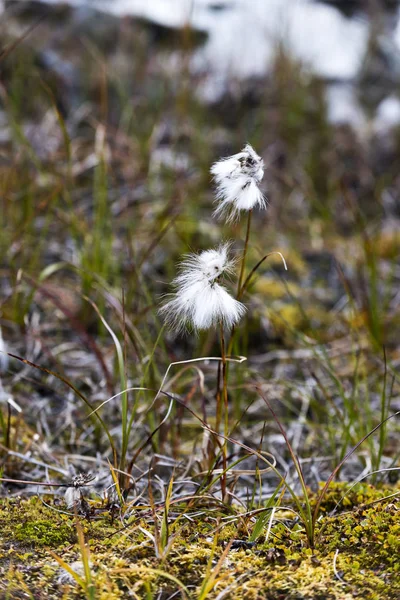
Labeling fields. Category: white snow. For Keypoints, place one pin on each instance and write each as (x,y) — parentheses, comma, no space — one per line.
(243,34)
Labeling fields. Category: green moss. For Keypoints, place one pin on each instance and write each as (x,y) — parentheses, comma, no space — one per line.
(288,316)
(387,244)
(43,533)
(275,289)
(356,553)
(28,523)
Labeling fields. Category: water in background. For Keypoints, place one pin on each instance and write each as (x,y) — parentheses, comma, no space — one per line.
(242,37)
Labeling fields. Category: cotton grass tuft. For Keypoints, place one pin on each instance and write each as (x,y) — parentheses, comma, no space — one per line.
(237,181)
(200,301)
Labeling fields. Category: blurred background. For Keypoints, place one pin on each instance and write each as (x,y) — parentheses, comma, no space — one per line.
(111,114)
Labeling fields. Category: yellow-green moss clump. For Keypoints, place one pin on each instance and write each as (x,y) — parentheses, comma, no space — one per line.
(356,554)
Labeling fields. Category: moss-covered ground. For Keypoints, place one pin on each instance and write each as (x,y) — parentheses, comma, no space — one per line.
(356,554)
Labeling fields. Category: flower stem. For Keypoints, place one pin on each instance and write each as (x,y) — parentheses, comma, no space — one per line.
(245,248)
(240,289)
(218,399)
(226,411)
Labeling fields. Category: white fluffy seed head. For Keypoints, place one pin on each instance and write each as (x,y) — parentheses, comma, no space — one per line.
(200,301)
(237,179)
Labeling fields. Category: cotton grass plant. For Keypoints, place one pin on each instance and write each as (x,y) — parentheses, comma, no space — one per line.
(237,180)
(200,301)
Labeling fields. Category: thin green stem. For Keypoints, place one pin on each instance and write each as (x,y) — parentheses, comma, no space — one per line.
(225,404)
(241,274)
(245,248)
(218,399)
